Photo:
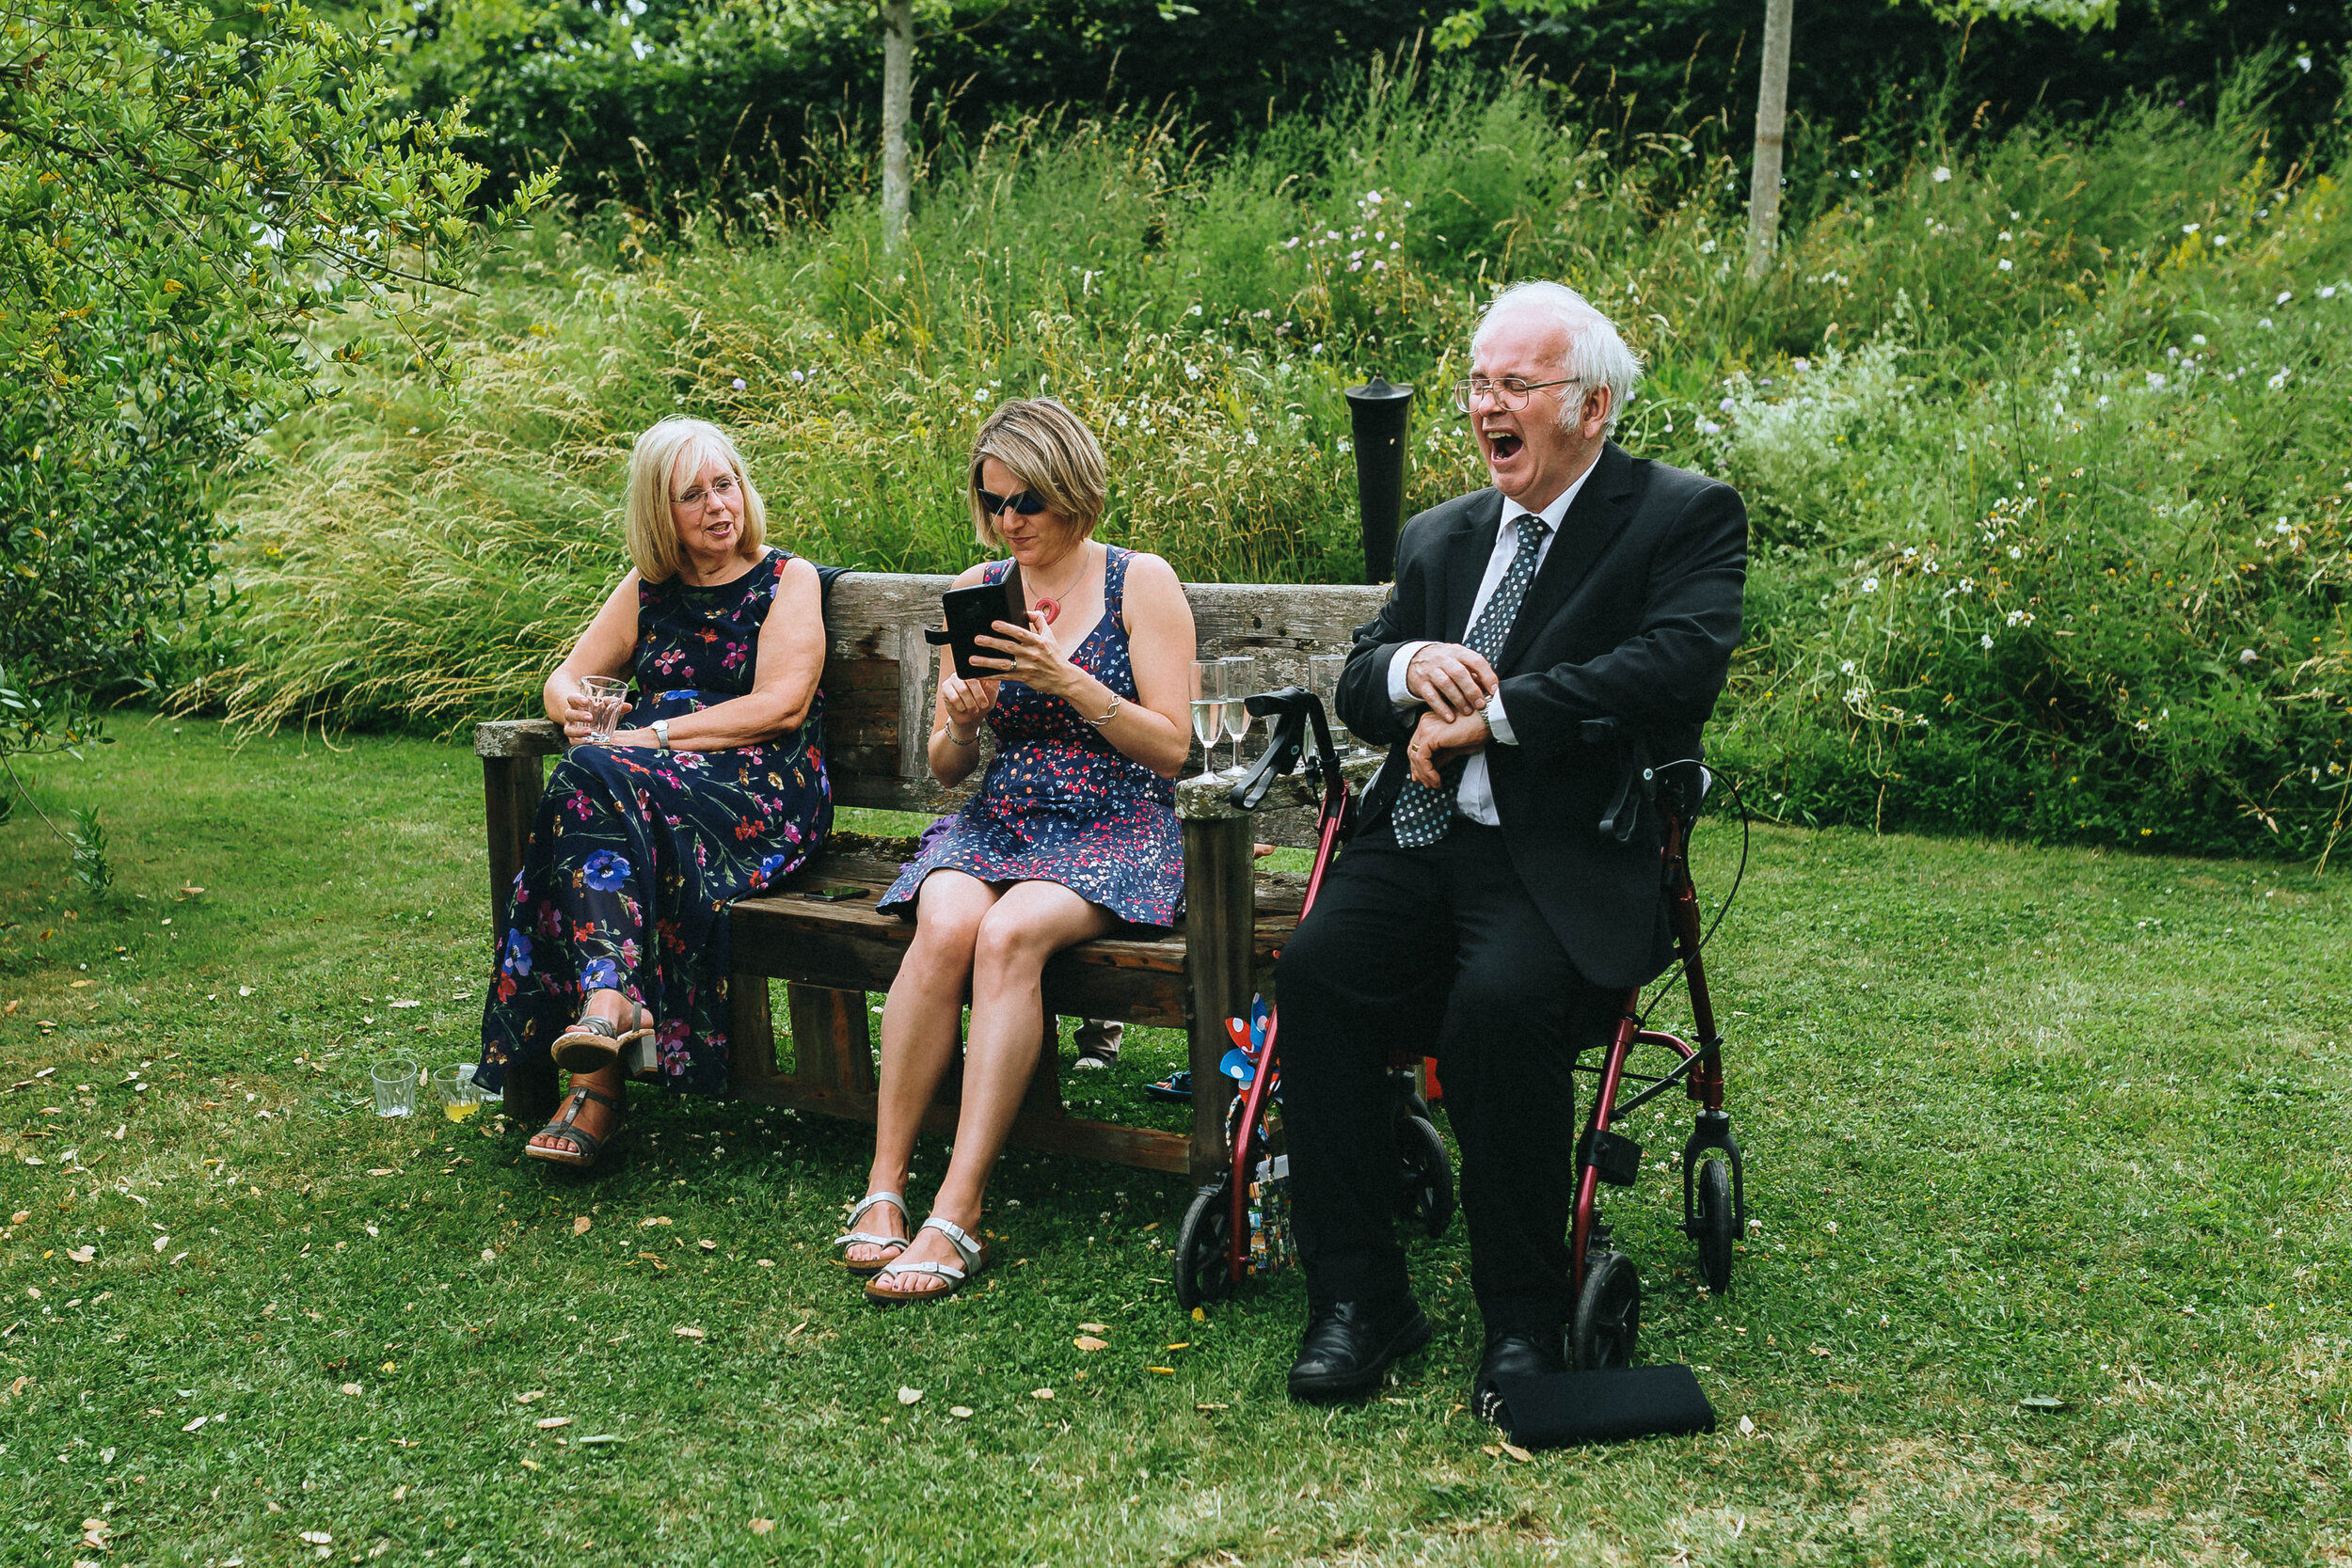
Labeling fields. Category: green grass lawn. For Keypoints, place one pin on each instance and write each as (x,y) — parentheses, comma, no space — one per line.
(2020,1122)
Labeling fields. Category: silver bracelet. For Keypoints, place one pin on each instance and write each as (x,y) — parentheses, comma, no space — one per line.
(955,740)
(1109,714)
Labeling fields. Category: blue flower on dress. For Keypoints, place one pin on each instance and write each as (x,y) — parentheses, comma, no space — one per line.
(600,974)
(772,867)
(604,870)
(518,960)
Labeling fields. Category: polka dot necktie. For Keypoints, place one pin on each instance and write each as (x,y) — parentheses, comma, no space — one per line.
(1425,816)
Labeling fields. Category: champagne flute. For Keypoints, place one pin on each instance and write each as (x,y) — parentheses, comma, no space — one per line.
(1323,679)
(1208,712)
(1240,678)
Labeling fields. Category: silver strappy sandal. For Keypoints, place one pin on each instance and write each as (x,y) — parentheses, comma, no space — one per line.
(853,1236)
(592,1044)
(975,1255)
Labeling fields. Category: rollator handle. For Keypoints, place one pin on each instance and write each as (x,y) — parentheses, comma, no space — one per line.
(1637,781)
(1290,711)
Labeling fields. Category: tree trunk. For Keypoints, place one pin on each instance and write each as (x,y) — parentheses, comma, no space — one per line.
(1772,118)
(898,89)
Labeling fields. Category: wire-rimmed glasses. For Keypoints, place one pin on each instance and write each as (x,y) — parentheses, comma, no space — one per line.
(1208,712)
(1508,393)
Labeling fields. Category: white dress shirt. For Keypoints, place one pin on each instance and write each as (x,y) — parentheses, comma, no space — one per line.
(1475,799)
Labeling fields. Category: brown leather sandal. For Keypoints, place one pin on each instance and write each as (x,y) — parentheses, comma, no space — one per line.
(587,1147)
(593,1044)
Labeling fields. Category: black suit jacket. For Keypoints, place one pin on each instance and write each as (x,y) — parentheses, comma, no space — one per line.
(1633,617)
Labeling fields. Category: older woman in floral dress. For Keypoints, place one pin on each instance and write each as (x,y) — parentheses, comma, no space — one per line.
(618,928)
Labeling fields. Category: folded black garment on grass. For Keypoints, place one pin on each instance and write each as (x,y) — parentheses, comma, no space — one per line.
(1555,1410)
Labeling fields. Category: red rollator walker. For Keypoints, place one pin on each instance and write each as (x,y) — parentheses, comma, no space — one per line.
(1218,1243)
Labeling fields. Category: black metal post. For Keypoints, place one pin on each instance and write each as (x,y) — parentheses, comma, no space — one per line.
(1380,412)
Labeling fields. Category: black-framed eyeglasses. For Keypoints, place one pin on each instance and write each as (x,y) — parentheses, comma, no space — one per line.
(723,487)
(1028,503)
(1509,392)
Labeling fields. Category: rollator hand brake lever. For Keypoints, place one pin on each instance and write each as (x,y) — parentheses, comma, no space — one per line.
(1290,711)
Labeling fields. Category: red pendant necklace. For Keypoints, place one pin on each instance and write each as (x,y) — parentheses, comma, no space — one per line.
(1049,605)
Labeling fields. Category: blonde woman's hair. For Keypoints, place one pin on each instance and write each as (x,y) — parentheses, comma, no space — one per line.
(653,467)
(1050,450)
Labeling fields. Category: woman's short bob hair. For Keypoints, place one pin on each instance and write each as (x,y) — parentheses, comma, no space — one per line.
(1051,452)
(662,453)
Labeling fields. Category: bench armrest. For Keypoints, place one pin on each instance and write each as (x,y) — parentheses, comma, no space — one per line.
(517,738)
(1212,800)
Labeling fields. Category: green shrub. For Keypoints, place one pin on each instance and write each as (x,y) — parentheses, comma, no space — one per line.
(1892,388)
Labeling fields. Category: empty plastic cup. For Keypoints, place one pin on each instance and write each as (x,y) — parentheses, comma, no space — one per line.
(395,1089)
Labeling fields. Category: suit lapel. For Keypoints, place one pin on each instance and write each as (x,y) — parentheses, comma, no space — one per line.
(1466,561)
(1591,526)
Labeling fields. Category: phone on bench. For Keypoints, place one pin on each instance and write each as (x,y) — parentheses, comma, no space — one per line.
(972,612)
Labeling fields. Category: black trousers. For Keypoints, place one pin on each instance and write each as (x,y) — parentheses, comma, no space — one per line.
(1437,946)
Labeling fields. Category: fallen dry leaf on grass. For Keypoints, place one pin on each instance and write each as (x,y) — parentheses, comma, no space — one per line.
(960,1411)
(1213,1407)
(652,1219)
(161,1242)
(1516,1452)
(351,1388)
(1041,1393)
(1815,1350)
(1164,1371)
(1088,1343)
(761,1527)
(549,1423)
(317,1537)
(707,1247)
(685,1331)
(83,1254)
(533,1465)
(399,1493)
(580,1225)
(910,1396)
(192,891)
(383,1170)
(1747,1427)
(534,1394)
(1094,1328)
(195,1424)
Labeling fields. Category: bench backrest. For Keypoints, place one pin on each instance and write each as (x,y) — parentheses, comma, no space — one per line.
(879,674)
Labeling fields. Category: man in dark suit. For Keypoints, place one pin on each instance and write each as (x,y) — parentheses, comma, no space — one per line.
(1479,905)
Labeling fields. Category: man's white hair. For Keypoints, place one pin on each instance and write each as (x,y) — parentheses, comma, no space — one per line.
(1597,356)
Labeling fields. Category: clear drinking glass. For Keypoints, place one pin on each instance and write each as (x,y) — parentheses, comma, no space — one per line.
(395,1089)
(1323,679)
(1241,679)
(1208,712)
(607,696)
(454,1088)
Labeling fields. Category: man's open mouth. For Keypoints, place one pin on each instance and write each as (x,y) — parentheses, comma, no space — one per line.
(1503,444)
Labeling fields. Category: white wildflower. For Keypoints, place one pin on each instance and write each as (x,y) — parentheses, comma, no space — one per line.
(1941,174)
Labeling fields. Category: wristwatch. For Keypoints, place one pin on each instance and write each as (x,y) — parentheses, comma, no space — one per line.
(662,732)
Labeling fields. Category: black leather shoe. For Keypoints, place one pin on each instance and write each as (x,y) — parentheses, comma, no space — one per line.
(1514,1355)
(1348,1347)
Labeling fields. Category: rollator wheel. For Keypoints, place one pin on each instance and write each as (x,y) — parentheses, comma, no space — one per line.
(1201,1246)
(1424,1177)
(1711,1225)
(1607,1314)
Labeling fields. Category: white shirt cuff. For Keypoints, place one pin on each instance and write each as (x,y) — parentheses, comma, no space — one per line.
(1400,695)
(1499,721)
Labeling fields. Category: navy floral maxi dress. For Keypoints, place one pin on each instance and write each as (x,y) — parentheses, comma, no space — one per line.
(636,852)
(1061,804)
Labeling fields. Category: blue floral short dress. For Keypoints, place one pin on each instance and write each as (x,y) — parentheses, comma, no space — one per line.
(637,852)
(1061,804)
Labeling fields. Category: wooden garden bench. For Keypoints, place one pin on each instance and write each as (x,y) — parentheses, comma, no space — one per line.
(878,684)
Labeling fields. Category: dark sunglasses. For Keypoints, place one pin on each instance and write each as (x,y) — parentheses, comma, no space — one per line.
(1027,504)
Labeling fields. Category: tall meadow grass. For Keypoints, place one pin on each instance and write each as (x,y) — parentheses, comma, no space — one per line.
(2114,351)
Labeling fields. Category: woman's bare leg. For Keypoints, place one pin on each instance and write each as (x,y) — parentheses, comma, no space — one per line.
(920,1023)
(1028,924)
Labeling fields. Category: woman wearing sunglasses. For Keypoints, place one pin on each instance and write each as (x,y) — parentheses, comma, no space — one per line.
(1072,834)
